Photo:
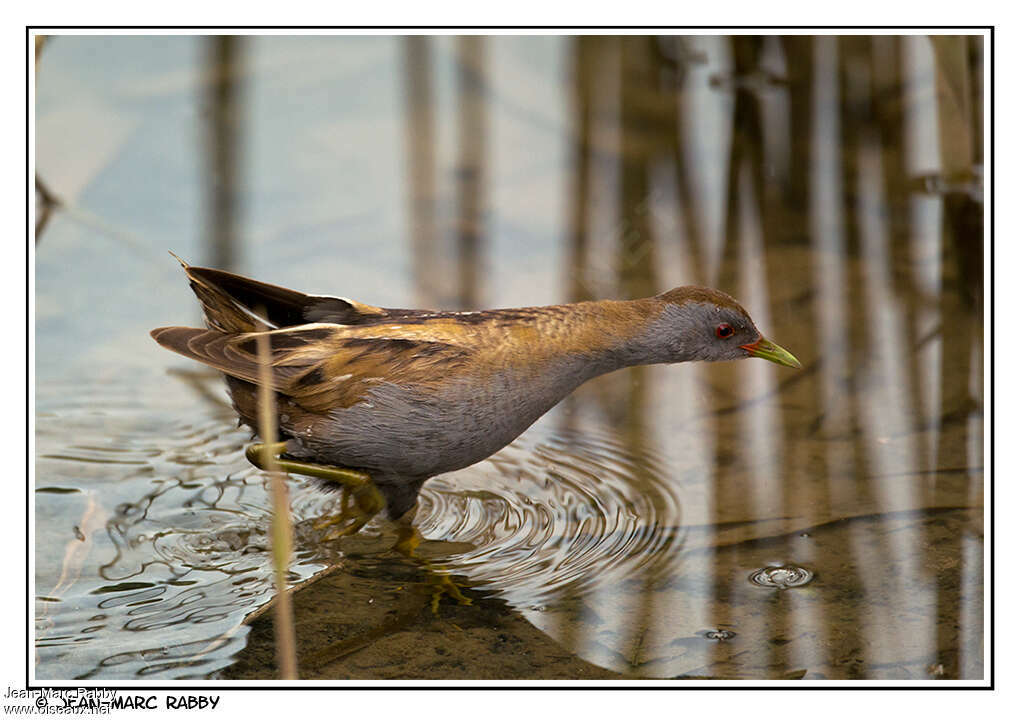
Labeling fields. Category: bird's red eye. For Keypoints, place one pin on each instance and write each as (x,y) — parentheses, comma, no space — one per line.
(724,330)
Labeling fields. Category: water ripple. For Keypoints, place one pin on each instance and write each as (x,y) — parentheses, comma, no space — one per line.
(555,516)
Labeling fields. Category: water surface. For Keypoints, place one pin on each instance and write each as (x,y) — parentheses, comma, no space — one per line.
(831,184)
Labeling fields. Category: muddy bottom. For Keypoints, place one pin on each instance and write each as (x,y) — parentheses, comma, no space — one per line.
(375,619)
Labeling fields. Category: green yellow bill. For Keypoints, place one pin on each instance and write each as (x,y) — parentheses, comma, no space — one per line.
(765,348)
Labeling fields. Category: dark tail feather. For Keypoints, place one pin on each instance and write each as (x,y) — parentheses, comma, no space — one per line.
(280,306)
(233,303)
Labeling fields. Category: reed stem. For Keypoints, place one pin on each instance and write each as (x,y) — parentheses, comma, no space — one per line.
(281,522)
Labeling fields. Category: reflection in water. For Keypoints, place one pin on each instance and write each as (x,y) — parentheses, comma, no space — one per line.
(470,173)
(222,147)
(831,184)
(420,142)
(868,411)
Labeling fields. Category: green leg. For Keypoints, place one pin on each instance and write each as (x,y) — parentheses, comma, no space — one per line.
(368,502)
(354,483)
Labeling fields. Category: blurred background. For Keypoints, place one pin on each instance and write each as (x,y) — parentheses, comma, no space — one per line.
(736,520)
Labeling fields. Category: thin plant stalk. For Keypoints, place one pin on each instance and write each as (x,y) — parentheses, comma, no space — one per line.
(281,522)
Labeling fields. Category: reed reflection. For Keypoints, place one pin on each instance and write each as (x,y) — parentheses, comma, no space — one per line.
(447,270)
(832,441)
(621,263)
(420,140)
(958,81)
(471,170)
(223,136)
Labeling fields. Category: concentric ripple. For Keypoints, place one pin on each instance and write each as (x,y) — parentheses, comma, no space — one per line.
(556,514)
(782,576)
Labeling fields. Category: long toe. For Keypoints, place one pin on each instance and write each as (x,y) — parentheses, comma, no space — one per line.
(444,586)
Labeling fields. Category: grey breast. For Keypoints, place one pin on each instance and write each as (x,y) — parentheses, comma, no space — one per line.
(405,430)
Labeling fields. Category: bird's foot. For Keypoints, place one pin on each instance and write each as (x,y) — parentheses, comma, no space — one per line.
(351,519)
(440,577)
(409,539)
(355,485)
(444,585)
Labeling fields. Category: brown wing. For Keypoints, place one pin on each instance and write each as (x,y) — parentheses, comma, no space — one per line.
(237,304)
(318,366)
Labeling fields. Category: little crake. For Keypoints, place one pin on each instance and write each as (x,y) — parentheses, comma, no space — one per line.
(403,395)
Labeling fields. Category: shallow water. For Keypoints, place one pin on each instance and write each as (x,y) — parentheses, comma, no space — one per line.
(838,200)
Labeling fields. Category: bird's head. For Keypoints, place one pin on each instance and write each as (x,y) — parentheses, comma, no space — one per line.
(697,323)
